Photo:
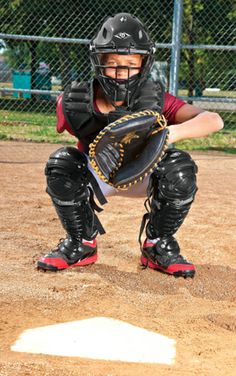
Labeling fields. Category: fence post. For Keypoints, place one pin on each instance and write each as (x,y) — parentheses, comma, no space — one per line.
(176,47)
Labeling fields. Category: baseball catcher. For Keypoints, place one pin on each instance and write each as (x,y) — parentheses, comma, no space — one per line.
(124,123)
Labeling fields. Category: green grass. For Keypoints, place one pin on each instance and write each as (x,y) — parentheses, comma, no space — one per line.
(27,126)
(221,141)
(34,118)
(41,127)
(184,92)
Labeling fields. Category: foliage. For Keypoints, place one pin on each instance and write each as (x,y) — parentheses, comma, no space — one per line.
(18,55)
(211,22)
(204,22)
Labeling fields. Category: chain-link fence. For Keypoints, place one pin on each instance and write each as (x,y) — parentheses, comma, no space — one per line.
(44,46)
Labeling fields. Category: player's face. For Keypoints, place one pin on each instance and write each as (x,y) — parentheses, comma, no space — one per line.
(117,65)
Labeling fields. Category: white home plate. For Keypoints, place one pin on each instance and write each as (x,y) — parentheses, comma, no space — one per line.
(98,338)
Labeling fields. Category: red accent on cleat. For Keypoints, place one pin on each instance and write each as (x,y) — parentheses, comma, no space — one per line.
(60,264)
(147,243)
(90,243)
(57,260)
(172,269)
(86,261)
(54,262)
(183,269)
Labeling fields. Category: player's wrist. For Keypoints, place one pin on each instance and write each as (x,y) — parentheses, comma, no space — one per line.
(172,138)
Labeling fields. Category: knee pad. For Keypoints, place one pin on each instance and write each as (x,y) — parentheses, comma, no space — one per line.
(175,178)
(68,180)
(66,172)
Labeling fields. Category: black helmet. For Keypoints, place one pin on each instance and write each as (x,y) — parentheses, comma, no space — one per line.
(121,34)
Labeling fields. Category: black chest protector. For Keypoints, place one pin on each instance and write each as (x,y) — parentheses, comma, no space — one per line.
(86,122)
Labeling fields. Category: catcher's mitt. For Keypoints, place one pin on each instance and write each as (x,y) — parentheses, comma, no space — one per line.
(128,149)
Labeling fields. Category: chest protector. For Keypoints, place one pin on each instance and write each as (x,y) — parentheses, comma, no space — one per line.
(86,122)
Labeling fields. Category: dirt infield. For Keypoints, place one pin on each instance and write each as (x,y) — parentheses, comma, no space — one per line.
(198,313)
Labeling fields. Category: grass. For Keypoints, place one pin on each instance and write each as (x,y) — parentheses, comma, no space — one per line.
(40,127)
(31,126)
(184,92)
(221,141)
(34,118)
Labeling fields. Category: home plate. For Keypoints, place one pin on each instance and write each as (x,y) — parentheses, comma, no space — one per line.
(98,338)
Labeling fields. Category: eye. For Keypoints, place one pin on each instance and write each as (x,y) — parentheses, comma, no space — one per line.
(133,63)
(111,63)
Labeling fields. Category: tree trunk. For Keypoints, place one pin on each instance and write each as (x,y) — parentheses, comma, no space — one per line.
(33,51)
(191,67)
(191,58)
(65,64)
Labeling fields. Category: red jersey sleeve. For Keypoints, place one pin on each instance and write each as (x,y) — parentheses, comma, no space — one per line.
(62,124)
(171,105)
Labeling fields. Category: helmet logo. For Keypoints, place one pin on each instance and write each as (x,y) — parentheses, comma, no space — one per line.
(123,19)
(122,35)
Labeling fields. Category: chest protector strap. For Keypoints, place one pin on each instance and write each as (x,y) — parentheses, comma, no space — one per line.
(150,97)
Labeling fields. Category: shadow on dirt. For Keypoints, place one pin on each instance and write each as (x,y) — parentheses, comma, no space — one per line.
(206,284)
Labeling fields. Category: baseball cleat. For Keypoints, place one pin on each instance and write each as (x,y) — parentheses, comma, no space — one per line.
(156,254)
(67,255)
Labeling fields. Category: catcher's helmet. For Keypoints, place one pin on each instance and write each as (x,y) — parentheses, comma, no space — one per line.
(121,34)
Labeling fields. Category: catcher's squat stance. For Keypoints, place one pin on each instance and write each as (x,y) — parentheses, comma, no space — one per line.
(124,123)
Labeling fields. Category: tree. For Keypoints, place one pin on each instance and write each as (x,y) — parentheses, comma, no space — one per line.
(204,22)
(211,22)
